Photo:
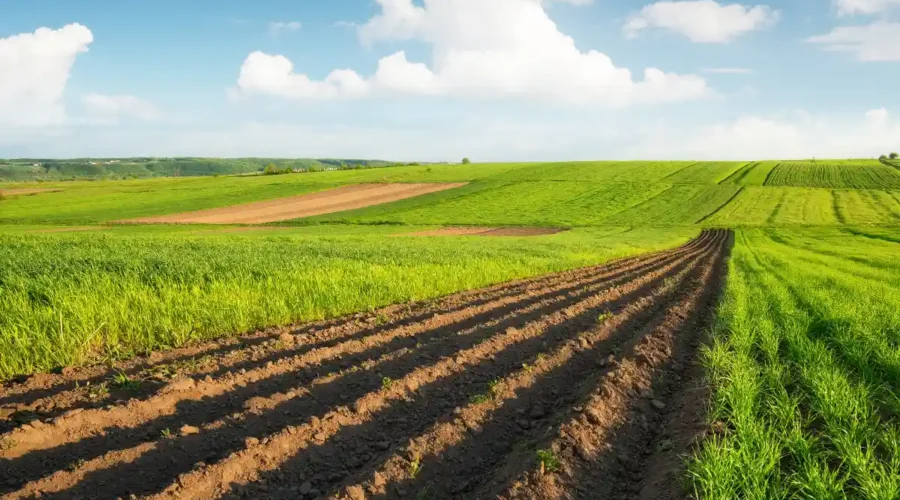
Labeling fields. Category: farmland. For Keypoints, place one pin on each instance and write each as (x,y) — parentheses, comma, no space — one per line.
(577,326)
(804,362)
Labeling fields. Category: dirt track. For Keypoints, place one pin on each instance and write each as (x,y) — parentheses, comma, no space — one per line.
(324,202)
(27,191)
(450,399)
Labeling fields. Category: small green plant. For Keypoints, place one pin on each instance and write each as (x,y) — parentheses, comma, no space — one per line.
(415,466)
(121,380)
(493,392)
(166,433)
(425,493)
(548,461)
(495,387)
(382,319)
(477,399)
(386,383)
(98,391)
(604,317)
(77,464)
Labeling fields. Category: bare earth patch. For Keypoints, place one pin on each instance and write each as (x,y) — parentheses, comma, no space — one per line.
(489,231)
(27,191)
(324,202)
(580,384)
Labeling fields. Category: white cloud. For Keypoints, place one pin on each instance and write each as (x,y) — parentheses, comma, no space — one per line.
(729,71)
(114,107)
(492,138)
(501,48)
(850,7)
(702,21)
(879,41)
(279,27)
(34,71)
(800,135)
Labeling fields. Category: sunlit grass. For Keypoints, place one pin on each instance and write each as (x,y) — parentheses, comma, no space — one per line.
(804,366)
(70,298)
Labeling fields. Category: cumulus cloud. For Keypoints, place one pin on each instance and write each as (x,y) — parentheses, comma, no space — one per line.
(879,41)
(479,49)
(850,7)
(702,21)
(279,27)
(798,136)
(115,107)
(34,71)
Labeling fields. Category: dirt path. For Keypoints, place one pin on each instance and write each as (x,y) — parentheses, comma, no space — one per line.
(27,191)
(323,202)
(450,399)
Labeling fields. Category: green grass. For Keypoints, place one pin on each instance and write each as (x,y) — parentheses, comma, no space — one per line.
(680,205)
(805,366)
(71,298)
(706,173)
(523,203)
(828,174)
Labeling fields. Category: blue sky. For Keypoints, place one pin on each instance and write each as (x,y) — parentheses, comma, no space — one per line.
(442,79)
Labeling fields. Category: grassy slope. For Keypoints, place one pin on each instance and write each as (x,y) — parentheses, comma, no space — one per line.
(825,174)
(803,365)
(72,297)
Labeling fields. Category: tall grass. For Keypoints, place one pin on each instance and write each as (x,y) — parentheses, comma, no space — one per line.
(805,366)
(72,298)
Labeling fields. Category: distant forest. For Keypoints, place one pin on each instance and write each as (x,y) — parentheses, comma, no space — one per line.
(140,168)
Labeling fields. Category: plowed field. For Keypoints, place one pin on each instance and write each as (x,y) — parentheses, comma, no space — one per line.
(323,202)
(580,384)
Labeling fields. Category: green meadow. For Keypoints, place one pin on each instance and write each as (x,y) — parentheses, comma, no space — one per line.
(803,360)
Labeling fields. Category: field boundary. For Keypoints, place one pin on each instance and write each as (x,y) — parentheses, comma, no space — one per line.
(723,205)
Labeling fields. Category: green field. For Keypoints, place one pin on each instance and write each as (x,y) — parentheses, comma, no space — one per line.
(70,298)
(805,365)
(54,281)
(804,361)
(869,175)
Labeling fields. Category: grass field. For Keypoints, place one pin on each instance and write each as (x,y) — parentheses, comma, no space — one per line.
(869,175)
(805,366)
(72,297)
(801,365)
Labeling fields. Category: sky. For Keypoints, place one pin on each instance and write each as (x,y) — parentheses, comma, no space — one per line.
(438,80)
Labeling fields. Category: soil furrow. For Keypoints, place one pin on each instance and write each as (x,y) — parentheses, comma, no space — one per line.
(188,389)
(320,450)
(616,447)
(328,453)
(452,458)
(48,395)
(197,413)
(338,404)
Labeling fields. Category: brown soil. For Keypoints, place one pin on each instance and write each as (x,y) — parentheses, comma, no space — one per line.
(307,205)
(26,191)
(488,231)
(447,399)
